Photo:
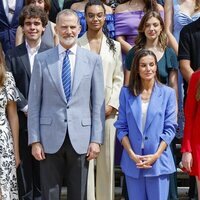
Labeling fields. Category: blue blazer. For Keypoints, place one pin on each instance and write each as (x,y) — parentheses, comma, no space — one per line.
(160,125)
(8,30)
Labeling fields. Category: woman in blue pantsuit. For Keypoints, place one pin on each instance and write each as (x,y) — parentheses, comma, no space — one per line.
(146,126)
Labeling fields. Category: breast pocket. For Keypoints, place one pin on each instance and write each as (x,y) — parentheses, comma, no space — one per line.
(86,122)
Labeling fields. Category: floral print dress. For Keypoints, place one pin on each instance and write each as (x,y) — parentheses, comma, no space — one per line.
(8,178)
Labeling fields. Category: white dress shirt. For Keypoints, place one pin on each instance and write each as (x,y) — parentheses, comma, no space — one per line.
(9,7)
(145,105)
(31,55)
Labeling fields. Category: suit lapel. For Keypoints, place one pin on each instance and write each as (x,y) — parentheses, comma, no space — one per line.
(67,4)
(18,7)
(24,58)
(80,69)
(154,105)
(135,104)
(56,4)
(43,47)
(53,65)
(3,13)
(104,47)
(85,42)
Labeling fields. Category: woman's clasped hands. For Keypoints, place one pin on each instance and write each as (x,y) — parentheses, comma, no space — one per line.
(143,161)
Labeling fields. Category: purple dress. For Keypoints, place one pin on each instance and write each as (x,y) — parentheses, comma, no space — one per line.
(126,24)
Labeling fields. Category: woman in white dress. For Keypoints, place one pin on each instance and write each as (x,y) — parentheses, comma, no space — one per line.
(9,129)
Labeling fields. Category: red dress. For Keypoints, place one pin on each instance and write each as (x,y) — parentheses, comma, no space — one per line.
(191,137)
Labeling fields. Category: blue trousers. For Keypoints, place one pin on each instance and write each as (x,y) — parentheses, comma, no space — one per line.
(148,188)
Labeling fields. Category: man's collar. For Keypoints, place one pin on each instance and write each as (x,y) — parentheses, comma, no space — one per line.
(61,49)
(33,49)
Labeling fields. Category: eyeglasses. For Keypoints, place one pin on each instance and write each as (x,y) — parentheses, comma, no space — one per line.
(98,15)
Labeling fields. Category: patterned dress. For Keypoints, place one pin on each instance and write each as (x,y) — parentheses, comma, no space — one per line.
(8,178)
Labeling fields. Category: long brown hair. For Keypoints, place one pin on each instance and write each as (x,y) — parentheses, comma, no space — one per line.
(140,40)
(2,68)
(135,84)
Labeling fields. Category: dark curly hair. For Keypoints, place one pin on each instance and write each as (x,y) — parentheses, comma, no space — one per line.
(32,11)
(47,5)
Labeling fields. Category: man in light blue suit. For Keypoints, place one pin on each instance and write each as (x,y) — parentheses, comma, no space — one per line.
(66,116)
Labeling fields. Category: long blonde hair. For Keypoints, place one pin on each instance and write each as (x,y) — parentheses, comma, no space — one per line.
(2,68)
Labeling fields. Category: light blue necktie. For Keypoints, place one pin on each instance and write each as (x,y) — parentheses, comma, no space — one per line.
(66,75)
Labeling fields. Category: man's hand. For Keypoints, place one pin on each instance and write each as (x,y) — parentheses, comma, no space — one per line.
(26,114)
(37,151)
(93,151)
(110,110)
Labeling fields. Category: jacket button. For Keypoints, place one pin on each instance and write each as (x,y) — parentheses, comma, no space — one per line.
(67,107)
(65,120)
(146,138)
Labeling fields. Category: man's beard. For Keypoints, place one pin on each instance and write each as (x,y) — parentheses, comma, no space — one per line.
(68,41)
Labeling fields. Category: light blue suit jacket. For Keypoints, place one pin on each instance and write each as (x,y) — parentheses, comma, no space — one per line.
(160,125)
(50,115)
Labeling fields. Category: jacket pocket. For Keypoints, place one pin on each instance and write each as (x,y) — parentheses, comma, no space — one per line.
(86,122)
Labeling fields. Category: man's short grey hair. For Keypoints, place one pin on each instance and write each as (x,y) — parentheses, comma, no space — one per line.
(67,12)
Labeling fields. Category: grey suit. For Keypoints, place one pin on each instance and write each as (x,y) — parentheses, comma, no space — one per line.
(17,62)
(50,116)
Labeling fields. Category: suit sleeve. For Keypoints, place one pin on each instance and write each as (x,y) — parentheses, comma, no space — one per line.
(170,118)
(121,124)
(34,103)
(118,79)
(190,112)
(22,101)
(97,103)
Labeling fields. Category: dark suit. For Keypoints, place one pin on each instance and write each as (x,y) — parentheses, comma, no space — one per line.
(8,30)
(55,9)
(18,63)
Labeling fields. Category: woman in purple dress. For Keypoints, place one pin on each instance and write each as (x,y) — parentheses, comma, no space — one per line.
(127,18)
